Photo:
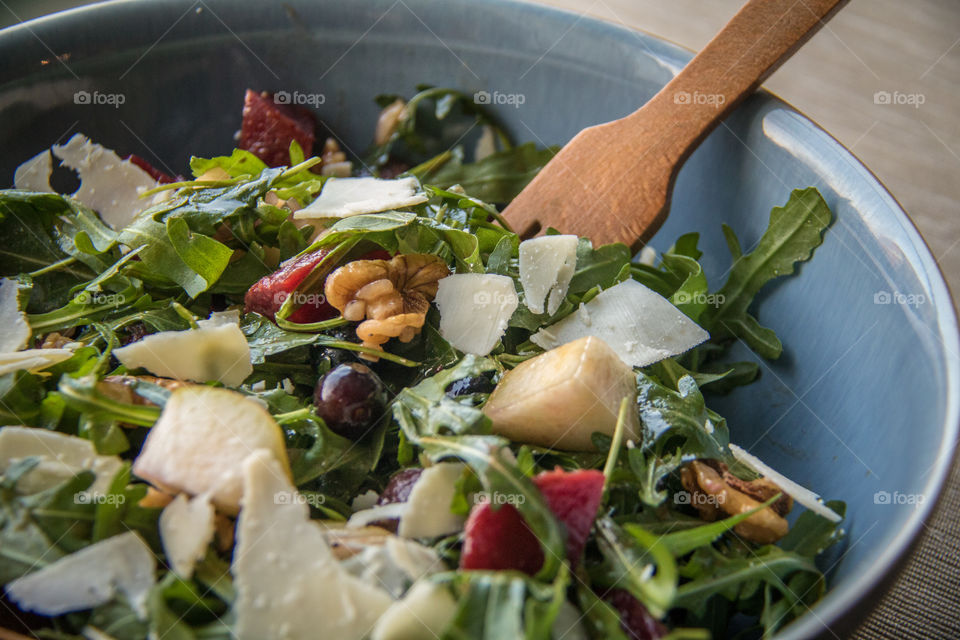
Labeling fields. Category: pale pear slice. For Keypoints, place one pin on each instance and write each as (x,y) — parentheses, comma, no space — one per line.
(560,398)
(201,439)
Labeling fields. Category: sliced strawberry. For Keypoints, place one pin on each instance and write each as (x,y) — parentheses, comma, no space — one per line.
(501,539)
(156,174)
(574,498)
(269,127)
(635,620)
(268,294)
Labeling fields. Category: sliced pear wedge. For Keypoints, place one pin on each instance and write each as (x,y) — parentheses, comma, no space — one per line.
(560,398)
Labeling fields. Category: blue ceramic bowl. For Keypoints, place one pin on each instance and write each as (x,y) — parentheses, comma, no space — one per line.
(864,404)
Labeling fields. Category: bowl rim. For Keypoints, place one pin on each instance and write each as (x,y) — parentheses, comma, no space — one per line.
(836,604)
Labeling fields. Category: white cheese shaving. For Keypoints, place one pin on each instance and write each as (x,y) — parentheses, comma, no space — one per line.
(289,583)
(365,500)
(16,330)
(215,350)
(546,268)
(389,511)
(32,360)
(344,197)
(186,529)
(34,174)
(475,309)
(428,508)
(393,565)
(424,612)
(61,457)
(801,494)
(638,323)
(109,185)
(201,439)
(648,256)
(90,577)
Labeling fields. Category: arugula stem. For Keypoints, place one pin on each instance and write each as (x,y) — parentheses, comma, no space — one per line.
(359,348)
(617,441)
(427,167)
(293,416)
(202,184)
(184,313)
(66,262)
(311,327)
(297,168)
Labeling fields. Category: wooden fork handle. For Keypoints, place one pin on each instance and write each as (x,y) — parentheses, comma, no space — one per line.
(760,37)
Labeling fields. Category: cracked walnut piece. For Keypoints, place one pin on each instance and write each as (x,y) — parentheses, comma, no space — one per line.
(390,297)
(716,492)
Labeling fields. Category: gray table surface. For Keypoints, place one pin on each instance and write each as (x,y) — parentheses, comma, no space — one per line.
(872,45)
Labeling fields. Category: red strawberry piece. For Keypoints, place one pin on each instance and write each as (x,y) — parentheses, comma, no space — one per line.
(500,538)
(156,174)
(574,498)
(635,620)
(269,127)
(268,294)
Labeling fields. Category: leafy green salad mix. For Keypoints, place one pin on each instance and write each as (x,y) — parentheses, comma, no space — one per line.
(308,396)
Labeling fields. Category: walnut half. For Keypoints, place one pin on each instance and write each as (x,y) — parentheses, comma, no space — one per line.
(389,298)
(716,492)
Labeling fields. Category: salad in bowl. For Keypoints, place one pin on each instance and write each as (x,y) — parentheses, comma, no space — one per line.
(298,396)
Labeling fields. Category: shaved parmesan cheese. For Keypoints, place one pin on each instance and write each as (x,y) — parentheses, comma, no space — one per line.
(475,309)
(200,440)
(801,494)
(546,268)
(428,512)
(393,565)
(560,398)
(376,513)
(423,613)
(34,174)
(109,185)
(186,529)
(215,350)
(61,457)
(648,256)
(16,331)
(32,360)
(640,325)
(344,197)
(123,564)
(289,584)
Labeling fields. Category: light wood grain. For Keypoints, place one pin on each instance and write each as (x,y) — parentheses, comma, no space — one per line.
(613,181)
(870,46)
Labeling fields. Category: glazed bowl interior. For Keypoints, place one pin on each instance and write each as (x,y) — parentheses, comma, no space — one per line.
(863,406)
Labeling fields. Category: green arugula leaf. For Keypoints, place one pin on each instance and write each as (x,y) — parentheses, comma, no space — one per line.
(795,231)
(426,409)
(497,178)
(492,605)
(639,562)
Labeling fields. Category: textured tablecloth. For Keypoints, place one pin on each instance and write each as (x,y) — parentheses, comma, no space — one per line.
(872,45)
